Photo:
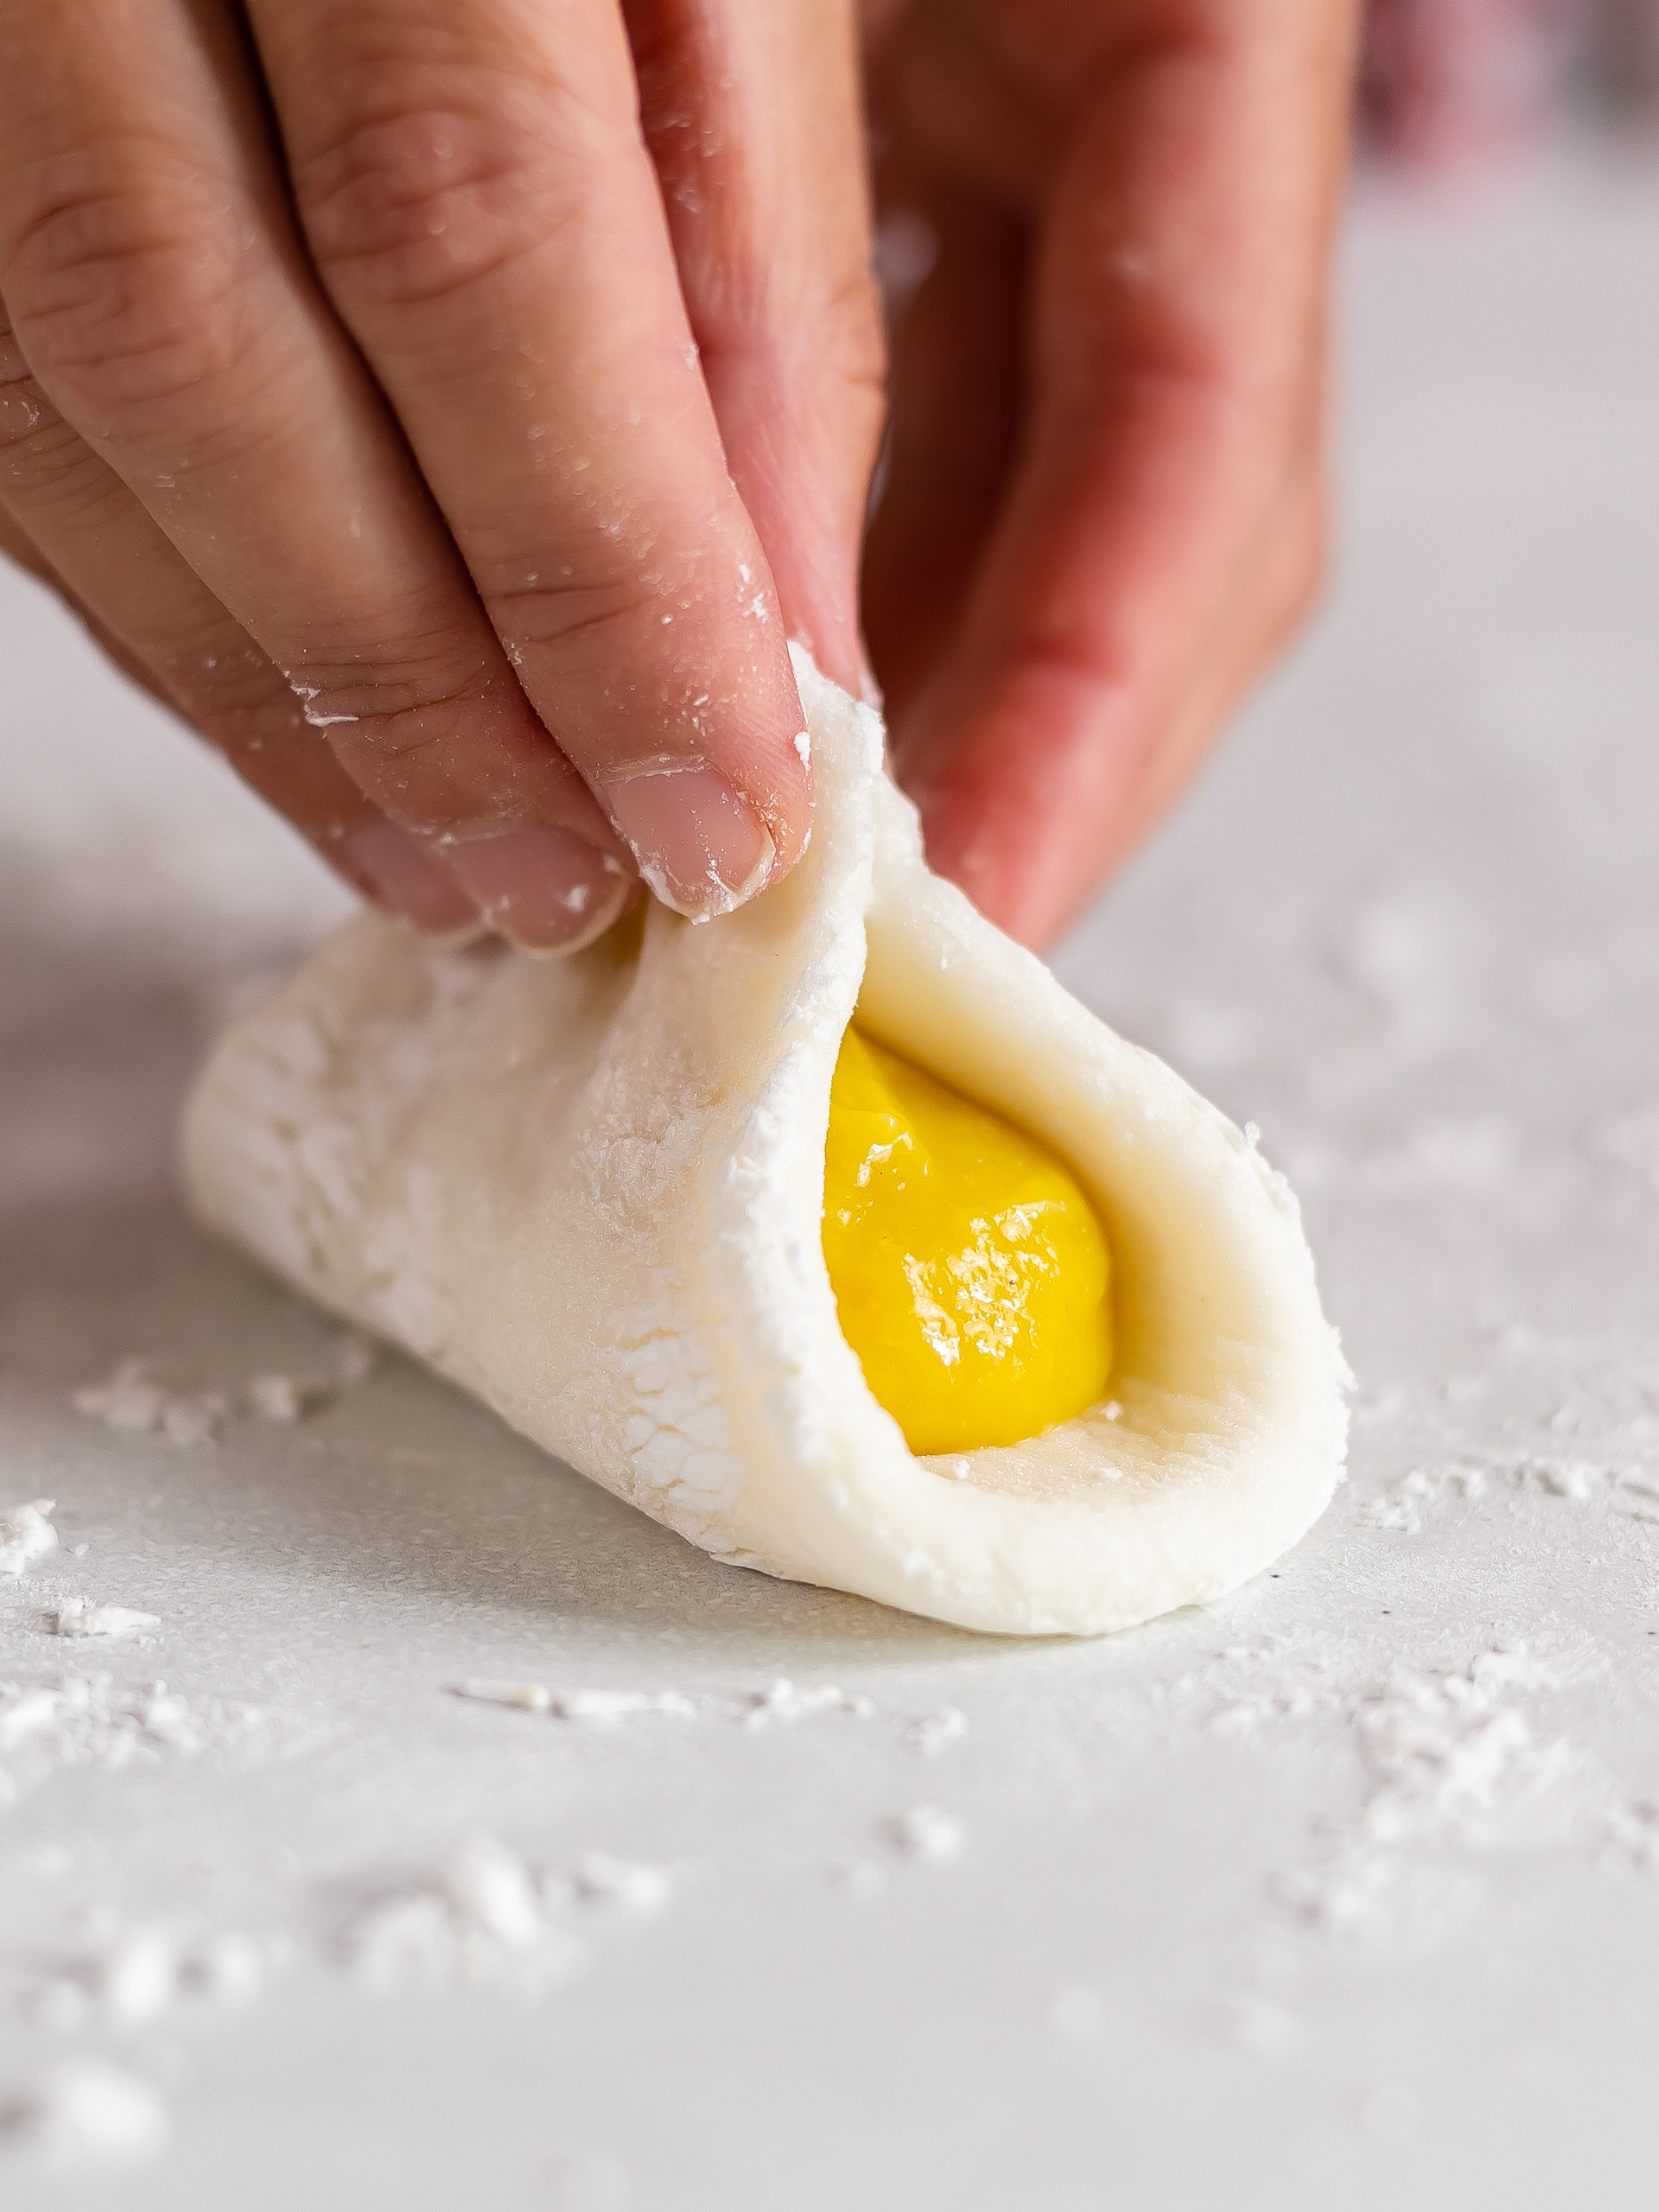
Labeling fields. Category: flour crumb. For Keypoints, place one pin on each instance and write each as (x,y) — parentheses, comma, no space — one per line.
(1408,1508)
(937,1730)
(26,1535)
(135,1401)
(482,1922)
(89,1720)
(231,1968)
(932,1837)
(623,1886)
(602,1708)
(285,1398)
(784,1702)
(79,1617)
(136,1980)
(89,2114)
(193,1421)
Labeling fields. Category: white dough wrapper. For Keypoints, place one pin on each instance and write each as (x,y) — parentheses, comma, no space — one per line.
(589,1190)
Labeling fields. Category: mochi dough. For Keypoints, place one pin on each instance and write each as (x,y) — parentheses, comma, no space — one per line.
(589,1191)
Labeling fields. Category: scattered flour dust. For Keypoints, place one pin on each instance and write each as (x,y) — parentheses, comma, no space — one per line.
(88,2114)
(486,1919)
(1456,1768)
(1424,1494)
(135,1400)
(79,1617)
(139,1398)
(602,1708)
(780,1704)
(929,1835)
(91,1720)
(1549,1417)
(133,1976)
(783,1703)
(935,1731)
(26,1536)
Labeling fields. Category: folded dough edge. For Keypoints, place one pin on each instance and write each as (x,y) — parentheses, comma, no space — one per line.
(589,1190)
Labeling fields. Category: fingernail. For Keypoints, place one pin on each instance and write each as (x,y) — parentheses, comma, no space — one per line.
(700,846)
(544,889)
(389,867)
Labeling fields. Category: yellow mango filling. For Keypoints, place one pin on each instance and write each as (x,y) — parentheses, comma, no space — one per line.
(971,1271)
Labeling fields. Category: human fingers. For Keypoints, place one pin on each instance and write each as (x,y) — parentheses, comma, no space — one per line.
(753,117)
(159,294)
(68,518)
(952,428)
(1175,351)
(476,195)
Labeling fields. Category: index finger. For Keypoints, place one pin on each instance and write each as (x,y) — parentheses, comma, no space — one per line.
(483,210)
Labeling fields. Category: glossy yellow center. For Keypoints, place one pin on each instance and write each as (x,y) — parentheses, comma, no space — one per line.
(971,1271)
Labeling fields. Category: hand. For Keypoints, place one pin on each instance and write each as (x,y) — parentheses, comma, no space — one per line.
(1103,507)
(454,451)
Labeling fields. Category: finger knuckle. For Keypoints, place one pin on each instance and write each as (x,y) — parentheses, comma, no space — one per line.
(27,415)
(417,198)
(126,284)
(396,703)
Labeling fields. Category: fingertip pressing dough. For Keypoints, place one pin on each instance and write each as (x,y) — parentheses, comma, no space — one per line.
(1055,1365)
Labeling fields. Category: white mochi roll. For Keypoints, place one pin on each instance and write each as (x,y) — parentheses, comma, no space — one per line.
(590,1191)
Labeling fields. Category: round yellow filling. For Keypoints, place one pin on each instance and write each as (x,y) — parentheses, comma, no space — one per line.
(971,1271)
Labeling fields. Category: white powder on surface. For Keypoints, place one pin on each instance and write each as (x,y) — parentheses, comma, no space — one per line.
(284,1398)
(932,1837)
(89,2114)
(784,1702)
(136,1400)
(937,1730)
(89,1720)
(139,1399)
(483,1921)
(137,1979)
(1423,1495)
(79,1617)
(488,1919)
(26,1535)
(781,1704)
(602,1708)
(623,1886)
(231,1968)
(1413,1503)
(1455,1765)
(140,1973)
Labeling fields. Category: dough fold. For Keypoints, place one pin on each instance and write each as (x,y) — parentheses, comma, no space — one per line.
(589,1191)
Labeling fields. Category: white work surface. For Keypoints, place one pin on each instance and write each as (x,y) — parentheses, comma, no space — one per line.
(1341,1891)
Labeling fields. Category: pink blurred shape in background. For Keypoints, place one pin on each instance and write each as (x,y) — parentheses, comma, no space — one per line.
(1449,84)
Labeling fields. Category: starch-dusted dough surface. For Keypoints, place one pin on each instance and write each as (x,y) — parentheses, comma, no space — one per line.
(589,1190)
